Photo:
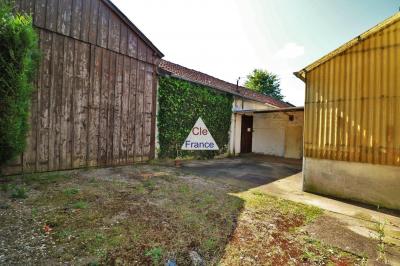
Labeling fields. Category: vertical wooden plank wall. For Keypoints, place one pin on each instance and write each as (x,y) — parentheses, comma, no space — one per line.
(94,103)
(352,105)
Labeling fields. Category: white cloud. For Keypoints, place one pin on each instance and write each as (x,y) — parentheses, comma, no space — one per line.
(291,50)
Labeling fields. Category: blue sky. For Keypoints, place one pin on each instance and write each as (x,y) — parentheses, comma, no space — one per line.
(229,38)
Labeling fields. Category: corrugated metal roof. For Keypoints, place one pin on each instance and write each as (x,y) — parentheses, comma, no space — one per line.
(301,74)
(191,75)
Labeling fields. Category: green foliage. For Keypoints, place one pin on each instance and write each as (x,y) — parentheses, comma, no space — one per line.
(80,205)
(19,56)
(155,254)
(181,104)
(19,192)
(264,82)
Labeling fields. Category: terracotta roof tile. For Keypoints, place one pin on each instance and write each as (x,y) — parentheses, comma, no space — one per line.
(207,80)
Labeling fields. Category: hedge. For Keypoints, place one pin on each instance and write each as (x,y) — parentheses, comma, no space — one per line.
(18,61)
(181,103)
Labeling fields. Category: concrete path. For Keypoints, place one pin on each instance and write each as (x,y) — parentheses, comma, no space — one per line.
(345,225)
(244,172)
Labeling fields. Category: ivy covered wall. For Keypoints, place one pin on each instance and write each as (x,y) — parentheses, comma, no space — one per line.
(181,103)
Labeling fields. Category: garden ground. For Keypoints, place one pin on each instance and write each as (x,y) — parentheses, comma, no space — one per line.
(222,210)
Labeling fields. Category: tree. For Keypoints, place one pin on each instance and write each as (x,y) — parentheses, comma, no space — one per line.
(18,63)
(264,82)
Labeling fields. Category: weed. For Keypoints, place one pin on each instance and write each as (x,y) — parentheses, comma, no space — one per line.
(380,229)
(19,192)
(139,189)
(71,191)
(184,189)
(99,239)
(80,205)
(64,233)
(209,244)
(34,212)
(101,252)
(155,254)
(149,184)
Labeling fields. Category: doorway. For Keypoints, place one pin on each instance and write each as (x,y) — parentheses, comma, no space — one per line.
(246,138)
(294,142)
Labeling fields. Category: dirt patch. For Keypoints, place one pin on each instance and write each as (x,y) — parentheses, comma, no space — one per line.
(126,215)
(332,231)
(269,232)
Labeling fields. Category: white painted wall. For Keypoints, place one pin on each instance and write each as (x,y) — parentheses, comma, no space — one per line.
(270,130)
(236,120)
(269,134)
(235,134)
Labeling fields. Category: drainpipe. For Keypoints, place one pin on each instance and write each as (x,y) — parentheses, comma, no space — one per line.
(234,134)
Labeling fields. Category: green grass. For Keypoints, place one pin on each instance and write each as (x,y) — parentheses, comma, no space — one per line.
(80,205)
(71,191)
(259,200)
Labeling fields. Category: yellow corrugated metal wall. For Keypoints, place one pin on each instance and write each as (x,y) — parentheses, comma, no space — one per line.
(352,108)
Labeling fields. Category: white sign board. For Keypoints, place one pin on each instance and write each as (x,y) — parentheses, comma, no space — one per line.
(199,138)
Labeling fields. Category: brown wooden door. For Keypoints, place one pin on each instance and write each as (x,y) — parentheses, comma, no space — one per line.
(246,138)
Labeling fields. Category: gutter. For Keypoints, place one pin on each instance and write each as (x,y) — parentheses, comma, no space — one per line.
(289,109)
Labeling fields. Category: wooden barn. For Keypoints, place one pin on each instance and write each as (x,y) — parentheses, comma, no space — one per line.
(352,119)
(95,102)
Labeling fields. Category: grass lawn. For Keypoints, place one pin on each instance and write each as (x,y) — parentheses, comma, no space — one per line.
(148,214)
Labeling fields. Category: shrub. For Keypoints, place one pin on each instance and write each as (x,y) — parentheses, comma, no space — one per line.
(18,61)
(19,192)
(181,103)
